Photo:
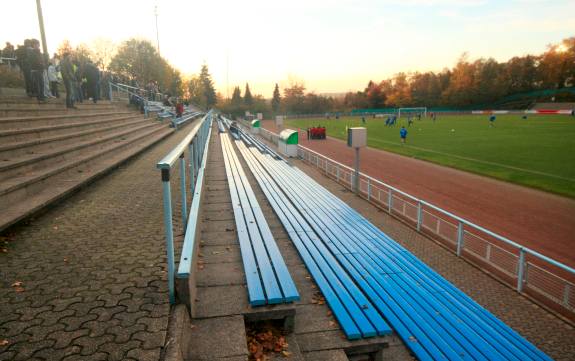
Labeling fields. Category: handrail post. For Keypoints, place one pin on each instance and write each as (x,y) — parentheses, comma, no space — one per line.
(368,189)
(183,191)
(459,239)
(110,91)
(521,270)
(192,175)
(419,216)
(167,199)
(390,200)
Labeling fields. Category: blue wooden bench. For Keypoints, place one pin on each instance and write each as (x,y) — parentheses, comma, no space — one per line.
(267,276)
(356,314)
(434,318)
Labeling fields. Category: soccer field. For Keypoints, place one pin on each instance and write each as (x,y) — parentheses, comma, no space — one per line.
(538,151)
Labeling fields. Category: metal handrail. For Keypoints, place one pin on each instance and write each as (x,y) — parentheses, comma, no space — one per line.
(119,88)
(503,239)
(140,89)
(195,142)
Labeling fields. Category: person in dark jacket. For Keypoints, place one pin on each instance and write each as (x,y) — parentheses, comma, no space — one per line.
(92,74)
(67,71)
(37,69)
(22,62)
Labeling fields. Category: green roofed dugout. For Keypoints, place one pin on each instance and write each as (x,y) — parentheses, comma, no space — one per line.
(288,141)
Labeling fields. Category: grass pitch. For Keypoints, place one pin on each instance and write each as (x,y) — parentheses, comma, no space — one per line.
(537,152)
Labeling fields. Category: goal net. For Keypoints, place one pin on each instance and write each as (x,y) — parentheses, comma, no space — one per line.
(412,111)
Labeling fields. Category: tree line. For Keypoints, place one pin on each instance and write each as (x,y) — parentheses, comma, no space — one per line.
(481,82)
(468,83)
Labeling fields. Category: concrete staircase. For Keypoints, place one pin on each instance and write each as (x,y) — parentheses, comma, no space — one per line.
(47,151)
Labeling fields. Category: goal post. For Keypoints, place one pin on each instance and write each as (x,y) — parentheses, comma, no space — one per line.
(413,111)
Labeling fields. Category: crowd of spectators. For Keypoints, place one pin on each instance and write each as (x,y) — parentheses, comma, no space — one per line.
(81,77)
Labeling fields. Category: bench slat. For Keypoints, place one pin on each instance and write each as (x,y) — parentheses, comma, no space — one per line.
(308,248)
(498,325)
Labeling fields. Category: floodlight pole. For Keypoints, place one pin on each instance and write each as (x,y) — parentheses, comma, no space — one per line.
(42,32)
(157,32)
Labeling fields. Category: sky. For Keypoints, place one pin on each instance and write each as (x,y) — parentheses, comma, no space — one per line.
(332,46)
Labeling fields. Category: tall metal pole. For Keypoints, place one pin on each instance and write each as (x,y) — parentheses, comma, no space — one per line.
(42,32)
(157,32)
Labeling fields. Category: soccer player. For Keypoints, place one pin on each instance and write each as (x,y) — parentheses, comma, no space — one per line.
(403,134)
(492,121)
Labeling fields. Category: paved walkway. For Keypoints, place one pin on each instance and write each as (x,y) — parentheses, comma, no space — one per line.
(536,219)
(92,271)
(549,333)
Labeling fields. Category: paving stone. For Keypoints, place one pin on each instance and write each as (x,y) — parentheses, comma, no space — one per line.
(204,332)
(144,355)
(90,345)
(80,276)
(329,355)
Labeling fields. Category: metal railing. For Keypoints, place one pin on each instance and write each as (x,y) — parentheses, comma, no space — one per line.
(196,143)
(528,271)
(129,91)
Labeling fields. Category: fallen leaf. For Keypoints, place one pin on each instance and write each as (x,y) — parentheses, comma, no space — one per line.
(55,228)
(17,284)
(4,342)
(286,354)
(331,323)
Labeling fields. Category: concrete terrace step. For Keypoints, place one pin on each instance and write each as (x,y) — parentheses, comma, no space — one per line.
(20,135)
(7,151)
(34,121)
(22,196)
(60,110)
(30,178)
(30,162)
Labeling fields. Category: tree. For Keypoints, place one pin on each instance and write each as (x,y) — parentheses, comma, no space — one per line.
(103,50)
(208,87)
(196,92)
(236,97)
(276,99)
(294,97)
(248,99)
(375,95)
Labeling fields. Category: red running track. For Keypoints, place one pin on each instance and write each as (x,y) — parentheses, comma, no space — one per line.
(538,220)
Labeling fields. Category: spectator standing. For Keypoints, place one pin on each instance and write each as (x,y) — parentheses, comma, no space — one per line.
(68,77)
(8,52)
(78,93)
(24,64)
(36,62)
(92,74)
(53,78)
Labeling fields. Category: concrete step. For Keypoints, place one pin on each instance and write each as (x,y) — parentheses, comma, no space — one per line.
(19,99)
(29,163)
(36,121)
(20,135)
(25,195)
(44,144)
(53,110)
